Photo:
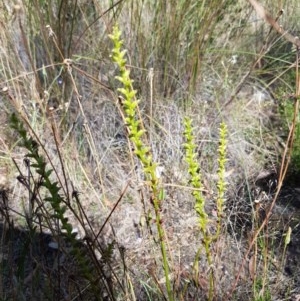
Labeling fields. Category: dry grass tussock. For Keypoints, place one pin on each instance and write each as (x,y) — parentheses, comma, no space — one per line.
(57,76)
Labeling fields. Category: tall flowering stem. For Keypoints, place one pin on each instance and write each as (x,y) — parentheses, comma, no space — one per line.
(221,185)
(136,132)
(195,182)
(195,175)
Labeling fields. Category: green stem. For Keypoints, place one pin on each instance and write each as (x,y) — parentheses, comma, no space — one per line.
(136,131)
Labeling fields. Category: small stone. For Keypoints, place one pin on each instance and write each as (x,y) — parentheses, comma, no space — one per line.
(53,245)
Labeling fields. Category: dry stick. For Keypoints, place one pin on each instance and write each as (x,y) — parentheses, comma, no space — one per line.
(25,74)
(294,40)
(86,127)
(33,133)
(68,63)
(283,170)
(57,145)
(27,49)
(150,78)
(97,19)
(112,211)
(293,65)
(82,72)
(261,54)
(256,62)
(273,22)
(274,25)
(94,238)
(245,77)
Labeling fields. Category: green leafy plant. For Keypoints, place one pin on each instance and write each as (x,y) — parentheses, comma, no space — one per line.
(46,191)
